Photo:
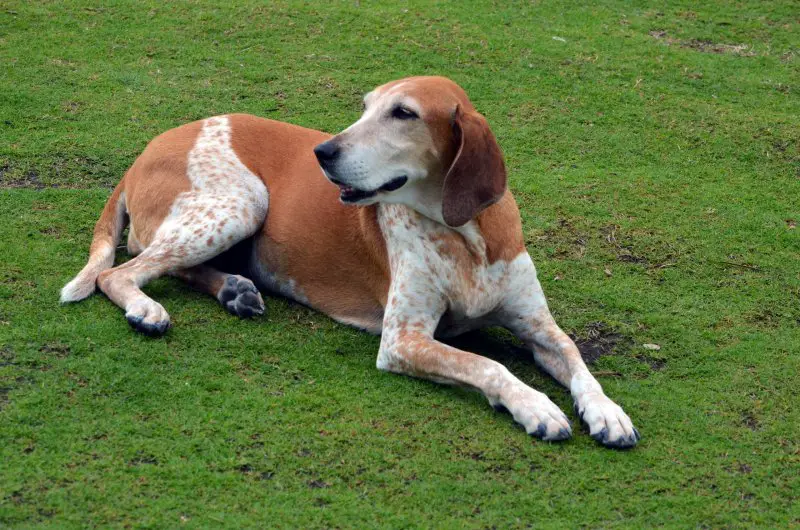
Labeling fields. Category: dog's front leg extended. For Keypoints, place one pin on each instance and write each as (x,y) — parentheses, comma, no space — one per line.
(526,314)
(408,347)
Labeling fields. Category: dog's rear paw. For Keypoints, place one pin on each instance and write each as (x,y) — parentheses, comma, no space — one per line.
(240,296)
(148,317)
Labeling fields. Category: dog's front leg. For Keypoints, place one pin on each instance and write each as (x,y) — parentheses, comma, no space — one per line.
(526,314)
(408,347)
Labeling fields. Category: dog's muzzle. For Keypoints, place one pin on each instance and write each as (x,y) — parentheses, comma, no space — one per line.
(350,194)
(327,154)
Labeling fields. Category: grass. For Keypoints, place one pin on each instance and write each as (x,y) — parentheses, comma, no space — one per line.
(654,154)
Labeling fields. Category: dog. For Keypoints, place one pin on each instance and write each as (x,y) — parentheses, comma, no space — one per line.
(401,225)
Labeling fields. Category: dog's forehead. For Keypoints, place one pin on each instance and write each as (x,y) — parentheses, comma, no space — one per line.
(430,93)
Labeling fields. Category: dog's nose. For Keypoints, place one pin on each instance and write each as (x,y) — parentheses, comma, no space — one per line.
(326,152)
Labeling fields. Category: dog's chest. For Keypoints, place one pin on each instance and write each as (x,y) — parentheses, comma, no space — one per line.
(437,264)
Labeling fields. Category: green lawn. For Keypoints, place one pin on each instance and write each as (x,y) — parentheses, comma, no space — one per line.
(655,157)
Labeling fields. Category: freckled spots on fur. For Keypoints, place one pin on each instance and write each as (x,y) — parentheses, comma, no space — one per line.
(218,180)
(464,281)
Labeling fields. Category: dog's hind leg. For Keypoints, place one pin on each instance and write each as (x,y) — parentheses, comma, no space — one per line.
(122,285)
(225,204)
(236,293)
(181,243)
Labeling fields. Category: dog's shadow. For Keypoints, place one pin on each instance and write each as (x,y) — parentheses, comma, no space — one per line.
(495,343)
(501,346)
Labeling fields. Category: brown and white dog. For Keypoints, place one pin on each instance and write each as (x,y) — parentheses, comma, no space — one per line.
(434,247)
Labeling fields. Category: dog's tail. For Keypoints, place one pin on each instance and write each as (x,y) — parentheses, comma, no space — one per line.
(107,233)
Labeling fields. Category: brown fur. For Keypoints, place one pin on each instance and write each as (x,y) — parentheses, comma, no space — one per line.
(477,177)
(348,276)
(156,178)
(304,210)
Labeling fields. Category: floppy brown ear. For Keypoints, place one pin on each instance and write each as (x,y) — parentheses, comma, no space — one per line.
(477,177)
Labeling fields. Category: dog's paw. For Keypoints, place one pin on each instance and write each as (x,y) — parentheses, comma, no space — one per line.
(539,416)
(240,296)
(148,316)
(607,422)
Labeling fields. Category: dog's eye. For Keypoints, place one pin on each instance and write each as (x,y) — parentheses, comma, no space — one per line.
(402,113)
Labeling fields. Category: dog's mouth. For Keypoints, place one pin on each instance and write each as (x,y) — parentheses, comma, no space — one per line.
(349,194)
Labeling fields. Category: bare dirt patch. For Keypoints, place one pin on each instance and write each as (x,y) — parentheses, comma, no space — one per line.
(655,364)
(598,339)
(59,172)
(623,250)
(704,46)
(18,377)
(750,421)
(56,349)
(4,390)
(626,247)
(29,179)
(143,459)
(52,231)
(568,241)
(6,356)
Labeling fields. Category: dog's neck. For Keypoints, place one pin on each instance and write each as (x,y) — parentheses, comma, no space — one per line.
(424,197)
(499,227)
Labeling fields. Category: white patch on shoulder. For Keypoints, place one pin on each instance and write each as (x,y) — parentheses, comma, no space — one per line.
(441,280)
(526,294)
(450,263)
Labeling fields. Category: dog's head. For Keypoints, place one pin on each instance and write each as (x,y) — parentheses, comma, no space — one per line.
(419,142)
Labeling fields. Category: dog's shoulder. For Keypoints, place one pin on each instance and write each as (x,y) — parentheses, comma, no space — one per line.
(468,265)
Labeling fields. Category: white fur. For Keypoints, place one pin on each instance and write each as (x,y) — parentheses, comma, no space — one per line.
(526,313)
(226,204)
(83,285)
(378,148)
(426,282)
